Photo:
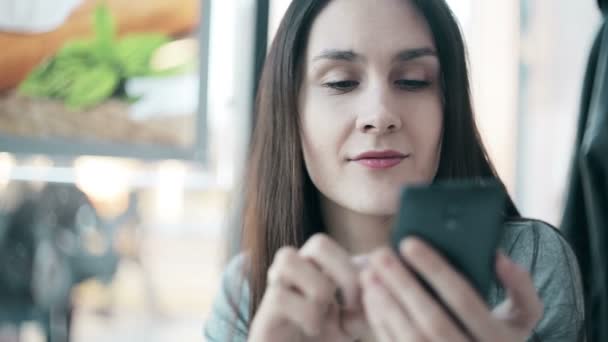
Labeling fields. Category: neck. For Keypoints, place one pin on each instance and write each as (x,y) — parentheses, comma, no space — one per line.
(358,233)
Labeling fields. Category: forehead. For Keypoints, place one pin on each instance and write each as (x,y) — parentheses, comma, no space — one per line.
(370,27)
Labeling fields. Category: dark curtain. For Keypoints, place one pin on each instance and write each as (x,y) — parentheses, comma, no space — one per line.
(585,221)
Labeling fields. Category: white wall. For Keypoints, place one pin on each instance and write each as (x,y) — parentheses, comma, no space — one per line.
(556,49)
(493,42)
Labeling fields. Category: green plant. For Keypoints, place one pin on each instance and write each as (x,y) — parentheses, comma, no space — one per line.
(85,72)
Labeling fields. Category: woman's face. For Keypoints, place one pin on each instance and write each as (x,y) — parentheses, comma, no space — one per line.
(370,103)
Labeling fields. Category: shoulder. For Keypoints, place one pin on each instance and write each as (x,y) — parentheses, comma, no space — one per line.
(527,240)
(230,310)
(542,250)
(236,269)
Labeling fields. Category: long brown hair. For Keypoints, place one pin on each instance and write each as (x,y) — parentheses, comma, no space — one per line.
(281,203)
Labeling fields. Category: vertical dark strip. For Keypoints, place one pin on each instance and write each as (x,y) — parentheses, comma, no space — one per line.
(261,43)
(202,133)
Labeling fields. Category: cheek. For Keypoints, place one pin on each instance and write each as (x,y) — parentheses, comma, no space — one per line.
(324,130)
(316,145)
(432,141)
(430,133)
(320,152)
(319,160)
(426,131)
(323,135)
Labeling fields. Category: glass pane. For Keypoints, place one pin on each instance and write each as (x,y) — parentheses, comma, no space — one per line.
(555,45)
(164,221)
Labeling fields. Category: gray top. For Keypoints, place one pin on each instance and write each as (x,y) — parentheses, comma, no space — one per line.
(532,244)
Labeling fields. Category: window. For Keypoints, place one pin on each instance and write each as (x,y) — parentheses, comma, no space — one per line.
(115,79)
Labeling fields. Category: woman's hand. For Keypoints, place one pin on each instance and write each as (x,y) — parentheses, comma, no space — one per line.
(313,294)
(398,308)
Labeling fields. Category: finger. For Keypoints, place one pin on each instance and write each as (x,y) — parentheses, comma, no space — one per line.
(335,262)
(291,270)
(372,307)
(424,311)
(360,261)
(453,289)
(387,319)
(285,304)
(353,323)
(521,292)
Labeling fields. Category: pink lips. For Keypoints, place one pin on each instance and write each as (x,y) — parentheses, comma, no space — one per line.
(380,159)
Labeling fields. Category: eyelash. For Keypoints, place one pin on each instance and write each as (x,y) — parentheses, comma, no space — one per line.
(349,85)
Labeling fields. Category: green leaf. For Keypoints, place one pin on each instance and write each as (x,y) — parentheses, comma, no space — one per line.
(93,87)
(133,52)
(105,32)
(77,48)
(34,84)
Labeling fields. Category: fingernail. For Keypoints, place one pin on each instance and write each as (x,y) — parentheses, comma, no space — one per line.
(409,246)
(360,261)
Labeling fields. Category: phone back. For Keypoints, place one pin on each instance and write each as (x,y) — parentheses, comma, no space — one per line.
(462,220)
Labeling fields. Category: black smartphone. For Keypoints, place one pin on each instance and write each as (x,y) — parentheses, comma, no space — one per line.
(462,220)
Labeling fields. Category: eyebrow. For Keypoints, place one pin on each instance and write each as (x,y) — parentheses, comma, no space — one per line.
(352,56)
(408,55)
(339,55)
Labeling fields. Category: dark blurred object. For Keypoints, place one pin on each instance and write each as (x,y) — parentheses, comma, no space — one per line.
(51,239)
(585,221)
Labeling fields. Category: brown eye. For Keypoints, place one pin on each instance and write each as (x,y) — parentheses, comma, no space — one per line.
(412,85)
(342,85)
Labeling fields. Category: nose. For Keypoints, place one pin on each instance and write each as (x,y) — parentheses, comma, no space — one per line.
(378,117)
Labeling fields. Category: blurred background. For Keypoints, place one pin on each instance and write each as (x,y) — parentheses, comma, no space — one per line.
(147,151)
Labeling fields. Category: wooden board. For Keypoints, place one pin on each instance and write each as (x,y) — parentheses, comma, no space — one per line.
(107,123)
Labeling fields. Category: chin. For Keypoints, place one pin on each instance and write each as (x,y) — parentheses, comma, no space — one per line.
(374,203)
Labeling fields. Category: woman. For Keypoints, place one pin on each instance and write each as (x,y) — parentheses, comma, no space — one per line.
(360,97)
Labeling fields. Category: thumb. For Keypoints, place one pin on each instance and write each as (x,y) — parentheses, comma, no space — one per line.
(522,308)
